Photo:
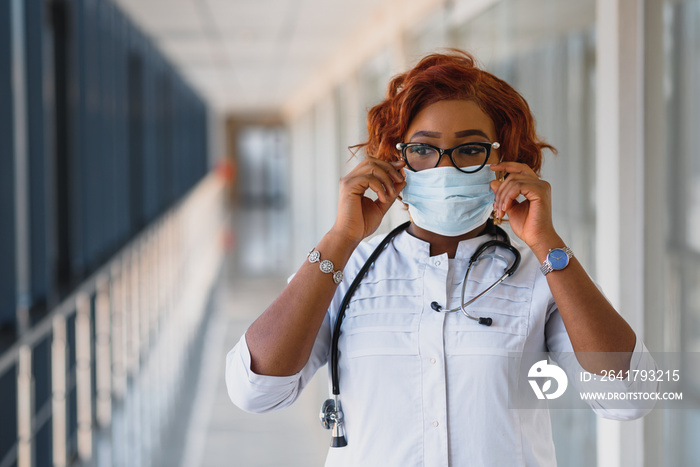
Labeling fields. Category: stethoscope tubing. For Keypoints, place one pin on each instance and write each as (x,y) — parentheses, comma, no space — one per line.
(375,254)
(473,261)
(331,412)
(346,301)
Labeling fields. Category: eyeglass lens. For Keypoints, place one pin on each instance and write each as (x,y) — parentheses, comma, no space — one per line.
(421,156)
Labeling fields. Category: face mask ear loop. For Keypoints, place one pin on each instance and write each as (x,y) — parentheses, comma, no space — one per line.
(500,159)
(498,220)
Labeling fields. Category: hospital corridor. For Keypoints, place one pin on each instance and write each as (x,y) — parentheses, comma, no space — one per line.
(168,167)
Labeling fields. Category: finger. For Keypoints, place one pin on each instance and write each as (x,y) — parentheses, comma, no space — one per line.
(397,190)
(514,168)
(511,204)
(515,186)
(508,198)
(509,188)
(520,180)
(495,185)
(386,193)
(379,188)
(384,206)
(392,168)
(387,180)
(358,183)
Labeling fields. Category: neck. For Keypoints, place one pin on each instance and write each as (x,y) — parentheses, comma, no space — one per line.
(440,244)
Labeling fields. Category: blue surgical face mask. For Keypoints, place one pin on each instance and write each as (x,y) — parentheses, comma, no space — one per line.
(448,202)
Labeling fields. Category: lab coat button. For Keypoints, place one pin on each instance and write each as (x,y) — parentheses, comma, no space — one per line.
(435,423)
(437,263)
(433,361)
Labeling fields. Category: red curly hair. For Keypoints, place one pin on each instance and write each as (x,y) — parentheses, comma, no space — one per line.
(453,76)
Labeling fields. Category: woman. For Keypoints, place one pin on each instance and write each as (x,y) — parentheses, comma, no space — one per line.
(421,386)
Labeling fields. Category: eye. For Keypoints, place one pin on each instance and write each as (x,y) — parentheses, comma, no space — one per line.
(471,150)
(421,150)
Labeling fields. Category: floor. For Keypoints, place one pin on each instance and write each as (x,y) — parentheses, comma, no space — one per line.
(218,433)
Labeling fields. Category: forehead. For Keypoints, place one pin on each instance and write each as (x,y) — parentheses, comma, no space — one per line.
(449,117)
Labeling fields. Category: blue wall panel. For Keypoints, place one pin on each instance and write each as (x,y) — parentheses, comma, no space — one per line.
(150,167)
(121,191)
(62,122)
(91,150)
(7,171)
(115,137)
(135,92)
(40,283)
(108,137)
(77,168)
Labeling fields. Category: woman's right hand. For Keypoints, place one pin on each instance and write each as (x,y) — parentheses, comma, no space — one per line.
(281,340)
(360,216)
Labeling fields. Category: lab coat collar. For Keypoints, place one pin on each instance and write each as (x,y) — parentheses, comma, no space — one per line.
(413,246)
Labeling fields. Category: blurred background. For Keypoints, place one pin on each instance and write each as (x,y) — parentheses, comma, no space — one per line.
(165,165)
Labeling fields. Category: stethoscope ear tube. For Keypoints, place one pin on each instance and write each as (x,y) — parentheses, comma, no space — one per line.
(505,243)
(498,243)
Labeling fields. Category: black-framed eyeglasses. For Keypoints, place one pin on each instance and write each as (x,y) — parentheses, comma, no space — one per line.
(467,157)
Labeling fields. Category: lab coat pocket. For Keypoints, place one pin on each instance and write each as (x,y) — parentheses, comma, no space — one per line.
(509,308)
(382,323)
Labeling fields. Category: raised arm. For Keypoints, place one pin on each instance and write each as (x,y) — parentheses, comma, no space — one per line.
(282,338)
(591,322)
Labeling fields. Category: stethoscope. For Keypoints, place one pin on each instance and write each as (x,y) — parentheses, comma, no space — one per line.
(331,414)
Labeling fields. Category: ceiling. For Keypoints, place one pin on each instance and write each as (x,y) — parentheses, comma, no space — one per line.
(249,56)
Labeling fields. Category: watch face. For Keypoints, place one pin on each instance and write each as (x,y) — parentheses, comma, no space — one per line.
(558,259)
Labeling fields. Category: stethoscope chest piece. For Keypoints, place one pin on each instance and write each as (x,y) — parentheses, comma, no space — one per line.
(331,417)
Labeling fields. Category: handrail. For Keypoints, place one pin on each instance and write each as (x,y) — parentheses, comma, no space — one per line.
(115,323)
(67,305)
(87,286)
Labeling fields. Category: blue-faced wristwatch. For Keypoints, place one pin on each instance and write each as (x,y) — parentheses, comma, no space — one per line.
(557,259)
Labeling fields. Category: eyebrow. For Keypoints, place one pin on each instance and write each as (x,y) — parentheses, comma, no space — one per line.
(458,134)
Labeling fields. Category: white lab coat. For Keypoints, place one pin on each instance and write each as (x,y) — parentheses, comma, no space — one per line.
(421,388)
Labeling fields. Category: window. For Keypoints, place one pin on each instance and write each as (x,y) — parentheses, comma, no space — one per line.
(682,49)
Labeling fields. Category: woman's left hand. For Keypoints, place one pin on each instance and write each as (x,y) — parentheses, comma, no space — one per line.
(530,219)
